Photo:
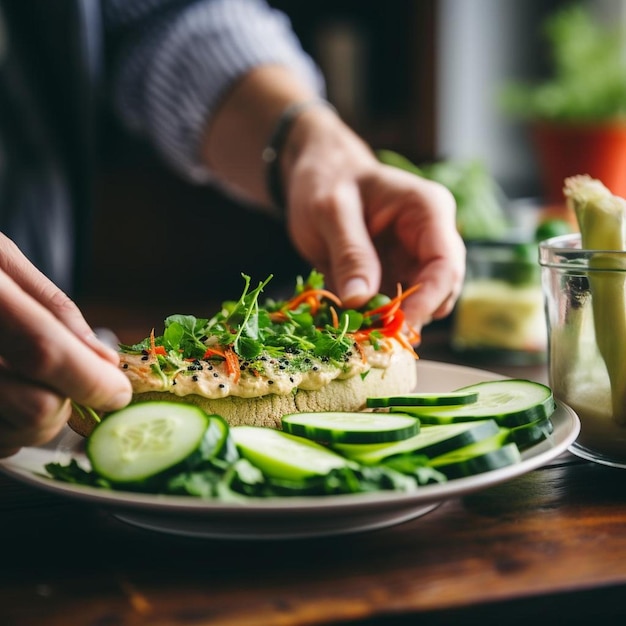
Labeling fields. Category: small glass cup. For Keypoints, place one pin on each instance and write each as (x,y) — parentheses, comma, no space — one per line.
(499,316)
(585,300)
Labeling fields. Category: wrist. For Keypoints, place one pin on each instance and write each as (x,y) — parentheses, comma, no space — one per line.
(285,142)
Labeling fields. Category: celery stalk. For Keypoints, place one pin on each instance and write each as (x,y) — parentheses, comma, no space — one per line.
(601,219)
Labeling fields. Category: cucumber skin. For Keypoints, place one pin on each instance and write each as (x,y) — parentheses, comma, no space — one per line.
(528,435)
(433,415)
(509,420)
(331,436)
(425,400)
(379,453)
(503,456)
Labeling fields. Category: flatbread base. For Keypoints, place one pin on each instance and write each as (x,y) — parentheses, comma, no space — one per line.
(339,395)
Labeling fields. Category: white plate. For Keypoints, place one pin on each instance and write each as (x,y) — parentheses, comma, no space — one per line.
(288,518)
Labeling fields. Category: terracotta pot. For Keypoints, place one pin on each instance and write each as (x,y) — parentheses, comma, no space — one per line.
(566,150)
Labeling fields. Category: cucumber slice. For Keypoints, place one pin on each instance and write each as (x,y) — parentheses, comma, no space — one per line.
(424,399)
(486,455)
(510,402)
(144,440)
(351,427)
(281,455)
(529,434)
(431,441)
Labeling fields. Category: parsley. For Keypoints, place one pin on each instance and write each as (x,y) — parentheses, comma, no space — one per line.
(185,333)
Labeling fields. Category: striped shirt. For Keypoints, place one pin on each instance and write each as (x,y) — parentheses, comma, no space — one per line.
(162,64)
(174,60)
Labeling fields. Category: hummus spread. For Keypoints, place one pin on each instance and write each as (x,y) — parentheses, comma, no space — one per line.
(264,375)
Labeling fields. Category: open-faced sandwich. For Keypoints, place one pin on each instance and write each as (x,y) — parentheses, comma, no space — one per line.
(252,363)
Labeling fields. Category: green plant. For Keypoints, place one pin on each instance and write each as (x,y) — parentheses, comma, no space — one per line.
(589,72)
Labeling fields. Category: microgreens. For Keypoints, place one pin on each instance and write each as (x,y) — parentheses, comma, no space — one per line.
(308,323)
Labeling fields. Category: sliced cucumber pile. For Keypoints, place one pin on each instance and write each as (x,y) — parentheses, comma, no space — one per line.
(431,441)
(510,402)
(402,443)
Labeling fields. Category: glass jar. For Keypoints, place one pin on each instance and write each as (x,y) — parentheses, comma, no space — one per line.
(499,316)
(585,299)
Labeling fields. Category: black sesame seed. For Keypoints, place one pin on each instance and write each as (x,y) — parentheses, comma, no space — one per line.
(270,382)
(216,375)
(144,358)
(194,378)
(222,385)
(125,366)
(315,368)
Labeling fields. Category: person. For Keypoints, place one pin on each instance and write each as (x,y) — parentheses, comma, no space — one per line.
(227,96)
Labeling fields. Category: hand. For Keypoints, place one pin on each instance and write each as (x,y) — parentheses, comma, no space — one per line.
(48,354)
(368,226)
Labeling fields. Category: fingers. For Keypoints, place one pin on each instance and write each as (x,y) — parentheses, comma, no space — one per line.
(352,259)
(414,223)
(36,346)
(39,287)
(29,414)
(48,354)
(436,297)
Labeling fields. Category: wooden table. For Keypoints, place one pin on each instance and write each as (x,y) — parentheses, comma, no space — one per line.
(550,545)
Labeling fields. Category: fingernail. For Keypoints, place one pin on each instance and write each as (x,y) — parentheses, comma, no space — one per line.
(118,400)
(102,347)
(107,337)
(356,289)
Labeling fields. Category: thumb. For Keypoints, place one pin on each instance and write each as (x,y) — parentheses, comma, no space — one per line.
(354,266)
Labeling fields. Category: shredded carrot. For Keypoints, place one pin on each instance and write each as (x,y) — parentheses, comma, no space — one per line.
(334,316)
(278,316)
(232,364)
(400,338)
(154,349)
(213,352)
(414,335)
(315,295)
(392,306)
(360,350)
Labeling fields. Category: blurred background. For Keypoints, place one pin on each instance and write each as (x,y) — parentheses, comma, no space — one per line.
(425,81)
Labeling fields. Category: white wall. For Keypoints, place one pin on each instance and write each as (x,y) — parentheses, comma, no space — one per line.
(481,44)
